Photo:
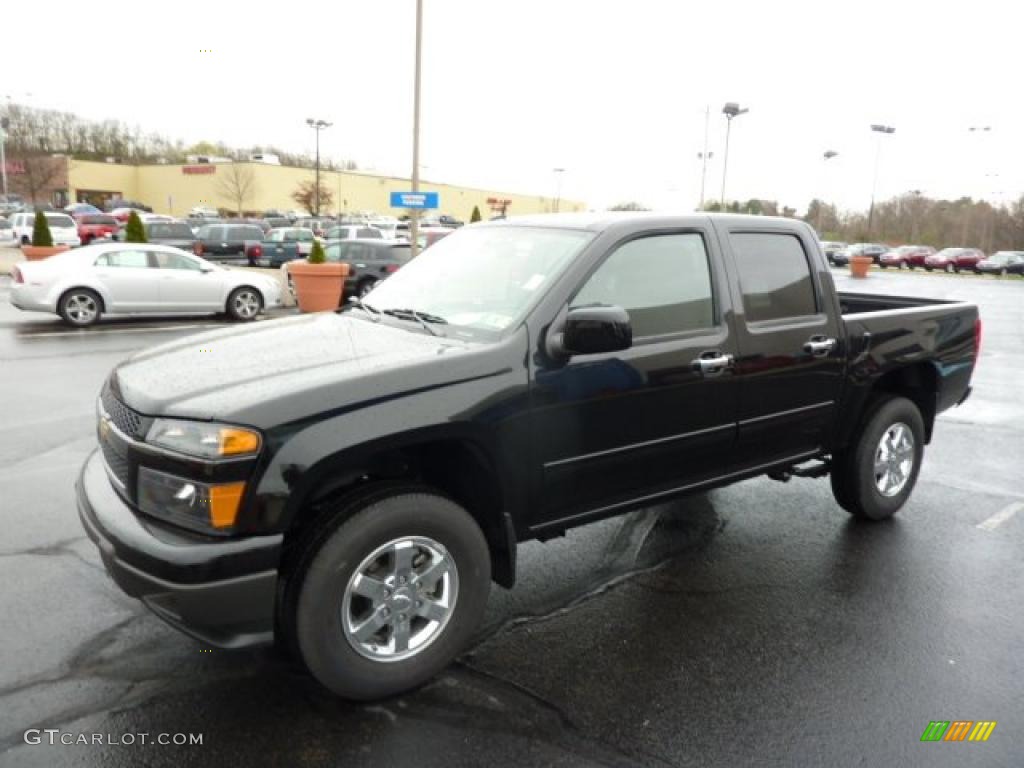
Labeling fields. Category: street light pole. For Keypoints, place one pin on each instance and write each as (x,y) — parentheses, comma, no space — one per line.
(704,156)
(317,125)
(414,214)
(5,123)
(730,110)
(829,154)
(558,187)
(879,129)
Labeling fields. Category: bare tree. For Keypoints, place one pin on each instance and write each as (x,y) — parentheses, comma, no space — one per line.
(35,175)
(238,183)
(305,195)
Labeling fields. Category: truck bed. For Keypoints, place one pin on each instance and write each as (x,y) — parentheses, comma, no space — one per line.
(858,303)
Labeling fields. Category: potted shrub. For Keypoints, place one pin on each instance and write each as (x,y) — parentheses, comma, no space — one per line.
(319,284)
(42,241)
(134,232)
(859,265)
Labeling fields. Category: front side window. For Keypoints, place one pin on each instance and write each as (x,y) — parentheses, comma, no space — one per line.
(368,232)
(662,281)
(175,261)
(775,276)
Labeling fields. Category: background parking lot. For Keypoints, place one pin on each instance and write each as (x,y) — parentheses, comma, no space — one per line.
(756,624)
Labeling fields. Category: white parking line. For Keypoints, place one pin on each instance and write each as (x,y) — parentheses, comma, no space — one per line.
(1001,516)
(85,334)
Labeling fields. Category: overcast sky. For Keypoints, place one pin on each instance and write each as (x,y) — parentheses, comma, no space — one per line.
(614,92)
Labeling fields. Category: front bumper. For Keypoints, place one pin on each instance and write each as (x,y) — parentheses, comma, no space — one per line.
(221,592)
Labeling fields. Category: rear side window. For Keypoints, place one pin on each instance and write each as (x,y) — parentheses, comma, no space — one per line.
(775,276)
(662,281)
(369,232)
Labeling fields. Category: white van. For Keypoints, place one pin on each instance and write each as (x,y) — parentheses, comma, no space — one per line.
(62,228)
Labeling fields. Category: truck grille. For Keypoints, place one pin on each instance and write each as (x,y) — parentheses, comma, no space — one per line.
(124,418)
(116,463)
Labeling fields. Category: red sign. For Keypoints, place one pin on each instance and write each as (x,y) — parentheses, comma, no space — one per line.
(15,168)
(197,169)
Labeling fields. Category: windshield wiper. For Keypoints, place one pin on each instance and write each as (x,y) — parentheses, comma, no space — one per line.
(420,317)
(360,304)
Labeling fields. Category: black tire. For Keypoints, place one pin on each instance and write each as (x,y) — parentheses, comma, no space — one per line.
(853,477)
(927,269)
(950,268)
(25,240)
(244,304)
(80,307)
(313,606)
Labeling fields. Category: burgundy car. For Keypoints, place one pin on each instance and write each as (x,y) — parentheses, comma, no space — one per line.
(95,225)
(905,256)
(954,259)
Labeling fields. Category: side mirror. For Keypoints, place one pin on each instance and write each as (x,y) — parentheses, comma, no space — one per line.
(205,269)
(592,330)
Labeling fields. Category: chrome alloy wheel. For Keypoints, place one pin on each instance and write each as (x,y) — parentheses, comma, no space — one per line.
(894,459)
(81,308)
(246,304)
(400,599)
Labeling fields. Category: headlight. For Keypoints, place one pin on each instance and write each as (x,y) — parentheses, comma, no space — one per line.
(189,503)
(202,439)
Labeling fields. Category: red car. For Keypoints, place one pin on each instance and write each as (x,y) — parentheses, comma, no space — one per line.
(954,259)
(905,256)
(94,225)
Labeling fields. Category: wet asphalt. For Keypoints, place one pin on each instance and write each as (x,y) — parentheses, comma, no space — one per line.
(753,625)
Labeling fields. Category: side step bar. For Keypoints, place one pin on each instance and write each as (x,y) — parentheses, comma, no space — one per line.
(818,469)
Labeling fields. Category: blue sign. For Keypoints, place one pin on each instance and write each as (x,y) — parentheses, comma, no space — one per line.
(414,200)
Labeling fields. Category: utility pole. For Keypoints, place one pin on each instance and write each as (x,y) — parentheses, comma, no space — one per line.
(829,154)
(879,129)
(317,125)
(558,187)
(704,156)
(414,214)
(730,110)
(5,123)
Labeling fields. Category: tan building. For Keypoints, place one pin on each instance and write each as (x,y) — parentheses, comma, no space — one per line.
(176,189)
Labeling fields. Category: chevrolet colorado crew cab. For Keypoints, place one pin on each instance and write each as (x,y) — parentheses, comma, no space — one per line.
(350,483)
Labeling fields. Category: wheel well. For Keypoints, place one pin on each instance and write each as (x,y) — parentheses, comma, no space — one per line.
(237,288)
(918,383)
(455,468)
(103,304)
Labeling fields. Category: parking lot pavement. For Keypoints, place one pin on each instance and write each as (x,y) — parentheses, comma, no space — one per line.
(753,625)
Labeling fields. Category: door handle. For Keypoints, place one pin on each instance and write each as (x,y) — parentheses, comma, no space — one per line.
(712,363)
(819,346)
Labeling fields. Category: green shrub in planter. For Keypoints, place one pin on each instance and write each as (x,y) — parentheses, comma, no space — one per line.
(476,215)
(134,232)
(317,255)
(41,236)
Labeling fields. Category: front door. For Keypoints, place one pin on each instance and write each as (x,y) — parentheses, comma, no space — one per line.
(184,287)
(612,429)
(791,357)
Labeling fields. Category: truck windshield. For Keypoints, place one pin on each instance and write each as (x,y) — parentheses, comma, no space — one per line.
(481,281)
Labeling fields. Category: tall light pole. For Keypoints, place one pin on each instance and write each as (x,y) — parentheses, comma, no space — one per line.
(558,186)
(978,130)
(317,125)
(414,214)
(880,130)
(828,155)
(704,156)
(5,123)
(730,110)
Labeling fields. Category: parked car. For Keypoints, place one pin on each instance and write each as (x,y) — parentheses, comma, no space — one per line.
(123,214)
(874,250)
(82,209)
(6,230)
(303,238)
(954,259)
(318,226)
(203,212)
(92,226)
(909,256)
(370,261)
(137,278)
(351,232)
(177,234)
(830,247)
(444,220)
(276,222)
(62,228)
(197,223)
(370,471)
(115,203)
(226,242)
(1003,263)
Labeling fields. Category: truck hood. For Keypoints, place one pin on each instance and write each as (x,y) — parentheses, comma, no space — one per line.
(280,371)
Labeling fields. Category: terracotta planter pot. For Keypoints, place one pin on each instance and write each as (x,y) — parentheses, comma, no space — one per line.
(38,252)
(318,287)
(859,265)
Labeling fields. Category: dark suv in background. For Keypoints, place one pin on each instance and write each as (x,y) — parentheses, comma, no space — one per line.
(230,242)
(174,233)
(370,261)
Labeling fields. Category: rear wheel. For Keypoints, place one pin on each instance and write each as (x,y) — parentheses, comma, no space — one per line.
(874,476)
(951,269)
(387,592)
(80,307)
(244,304)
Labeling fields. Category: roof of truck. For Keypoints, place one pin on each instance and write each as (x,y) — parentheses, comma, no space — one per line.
(600,220)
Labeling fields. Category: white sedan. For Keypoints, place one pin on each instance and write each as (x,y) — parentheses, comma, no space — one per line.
(137,278)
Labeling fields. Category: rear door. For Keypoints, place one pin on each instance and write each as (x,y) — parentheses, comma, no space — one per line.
(130,279)
(791,356)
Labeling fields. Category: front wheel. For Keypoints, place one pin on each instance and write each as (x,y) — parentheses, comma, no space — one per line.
(874,476)
(388,594)
(244,304)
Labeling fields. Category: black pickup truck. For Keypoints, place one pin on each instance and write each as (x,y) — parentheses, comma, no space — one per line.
(351,483)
